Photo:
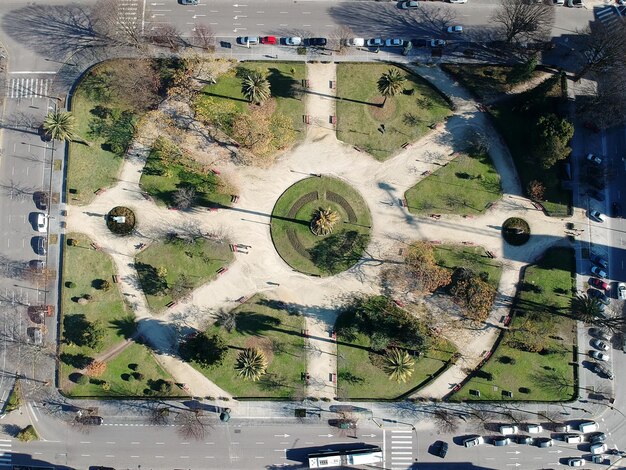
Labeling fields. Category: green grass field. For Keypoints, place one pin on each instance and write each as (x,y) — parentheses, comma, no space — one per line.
(471,257)
(197,261)
(549,374)
(465,186)
(320,255)
(407,117)
(358,377)
(266,325)
(89,167)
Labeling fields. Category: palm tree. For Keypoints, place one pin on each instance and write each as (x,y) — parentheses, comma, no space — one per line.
(324,221)
(390,83)
(255,87)
(586,309)
(251,364)
(398,365)
(61,125)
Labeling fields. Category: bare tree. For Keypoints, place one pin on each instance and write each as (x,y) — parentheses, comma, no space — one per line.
(603,103)
(603,50)
(109,23)
(192,424)
(338,38)
(203,37)
(524,20)
(158,415)
(185,197)
(167,35)
(227,319)
(446,421)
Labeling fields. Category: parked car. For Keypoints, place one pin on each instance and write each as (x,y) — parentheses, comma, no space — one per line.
(575,462)
(247,40)
(458,1)
(562,428)
(293,41)
(271,40)
(441,449)
(473,441)
(575,3)
(316,42)
(588,426)
(188,2)
(597,437)
(39,245)
(34,334)
(409,4)
(597,215)
(356,42)
(41,222)
(394,43)
(501,441)
(508,429)
(599,333)
(41,200)
(598,283)
(90,420)
(600,261)
(598,448)
(573,438)
(598,271)
(375,42)
(600,356)
(597,195)
(594,159)
(621,291)
(596,294)
(437,43)
(534,428)
(545,442)
(37,265)
(455,29)
(602,370)
(526,440)
(598,344)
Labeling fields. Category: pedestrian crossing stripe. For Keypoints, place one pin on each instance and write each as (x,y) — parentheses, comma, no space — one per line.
(28,87)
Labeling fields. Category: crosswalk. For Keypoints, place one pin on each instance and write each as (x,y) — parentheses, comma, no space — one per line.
(128,14)
(5,453)
(28,87)
(609,15)
(401,449)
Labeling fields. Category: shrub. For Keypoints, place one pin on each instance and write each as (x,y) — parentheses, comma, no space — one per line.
(27,434)
(106,386)
(138,376)
(133,366)
(524,390)
(70,285)
(82,380)
(507,360)
(88,297)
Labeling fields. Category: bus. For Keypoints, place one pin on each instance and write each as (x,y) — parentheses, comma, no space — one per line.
(338,458)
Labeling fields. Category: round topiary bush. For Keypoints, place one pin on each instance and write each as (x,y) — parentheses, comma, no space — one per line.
(515,231)
(121,220)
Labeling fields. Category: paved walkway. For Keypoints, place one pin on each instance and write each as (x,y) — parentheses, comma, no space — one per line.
(262,270)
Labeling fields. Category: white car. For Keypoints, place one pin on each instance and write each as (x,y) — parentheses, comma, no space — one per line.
(248,40)
(437,42)
(600,356)
(600,345)
(597,449)
(575,462)
(42,222)
(559,2)
(534,428)
(599,216)
(293,41)
(594,159)
(409,4)
(621,291)
(356,42)
(474,441)
(458,1)
(455,29)
(508,429)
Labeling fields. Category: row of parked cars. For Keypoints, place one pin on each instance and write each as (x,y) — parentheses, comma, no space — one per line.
(354,42)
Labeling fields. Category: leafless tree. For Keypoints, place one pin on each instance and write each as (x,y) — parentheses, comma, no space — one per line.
(446,421)
(167,35)
(523,20)
(603,50)
(192,424)
(477,142)
(185,197)
(227,319)
(158,415)
(338,38)
(203,37)
(109,23)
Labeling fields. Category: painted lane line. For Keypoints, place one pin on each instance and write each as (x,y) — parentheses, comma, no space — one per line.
(159,443)
(85,442)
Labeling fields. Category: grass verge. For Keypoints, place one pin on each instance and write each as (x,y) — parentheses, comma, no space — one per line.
(534,358)
(15,398)
(465,186)
(169,270)
(266,325)
(471,257)
(407,116)
(28,434)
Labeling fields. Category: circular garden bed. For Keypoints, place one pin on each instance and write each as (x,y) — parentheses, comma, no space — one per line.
(320,226)
(516,231)
(121,220)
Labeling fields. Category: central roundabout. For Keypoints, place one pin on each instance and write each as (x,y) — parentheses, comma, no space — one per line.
(320,226)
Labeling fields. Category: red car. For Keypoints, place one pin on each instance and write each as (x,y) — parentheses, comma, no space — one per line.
(271,40)
(598,283)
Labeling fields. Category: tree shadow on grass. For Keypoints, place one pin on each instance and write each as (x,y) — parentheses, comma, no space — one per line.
(338,251)
(150,281)
(126,327)
(253,323)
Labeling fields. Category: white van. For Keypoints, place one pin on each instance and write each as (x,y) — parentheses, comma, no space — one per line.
(588,426)
(573,438)
(597,449)
(508,429)
(534,428)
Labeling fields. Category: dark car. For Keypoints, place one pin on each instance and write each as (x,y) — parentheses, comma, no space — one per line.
(600,369)
(317,42)
(37,265)
(596,294)
(41,200)
(600,261)
(599,333)
(90,420)
(545,442)
(441,449)
(616,209)
(597,437)
(597,195)
(598,283)
(526,440)
(39,245)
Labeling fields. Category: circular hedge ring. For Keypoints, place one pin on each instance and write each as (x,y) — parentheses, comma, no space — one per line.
(121,220)
(516,231)
(320,226)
